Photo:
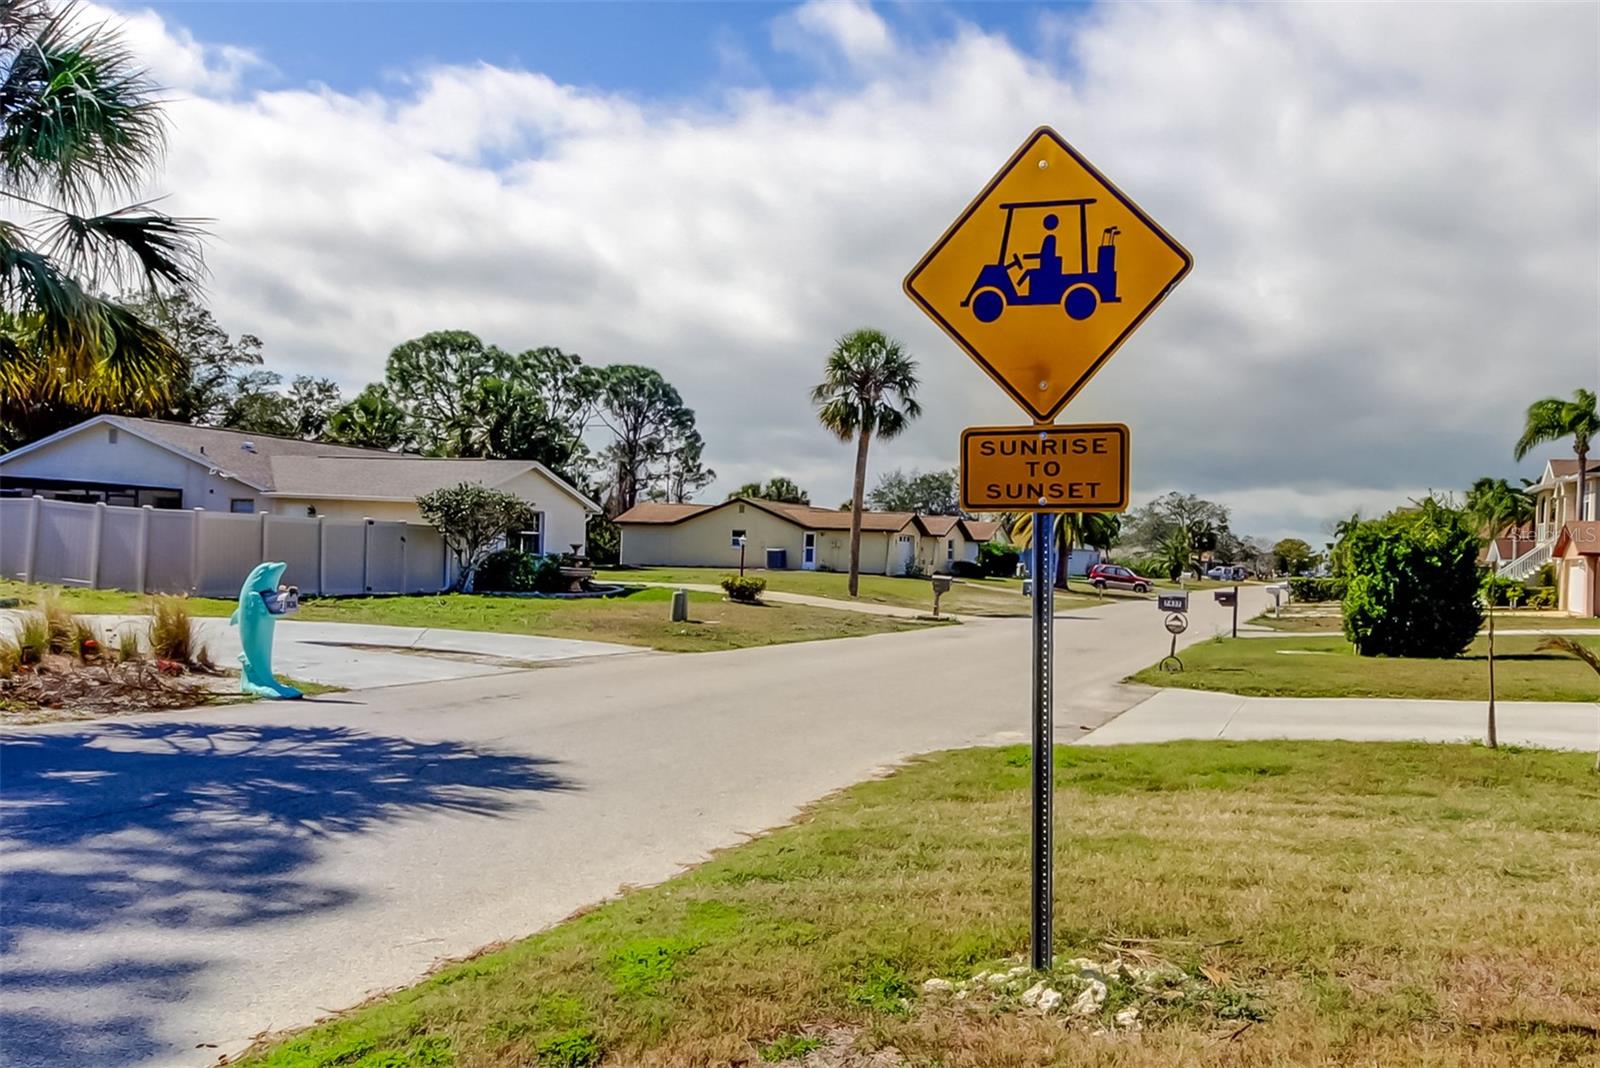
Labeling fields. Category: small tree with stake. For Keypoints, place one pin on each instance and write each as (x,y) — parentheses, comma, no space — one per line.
(473,521)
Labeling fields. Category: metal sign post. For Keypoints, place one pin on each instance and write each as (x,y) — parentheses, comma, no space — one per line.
(1044,587)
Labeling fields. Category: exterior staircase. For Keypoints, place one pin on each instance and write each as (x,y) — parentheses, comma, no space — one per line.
(1524,566)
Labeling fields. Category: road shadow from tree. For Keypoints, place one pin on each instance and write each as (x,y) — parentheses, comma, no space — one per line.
(141,826)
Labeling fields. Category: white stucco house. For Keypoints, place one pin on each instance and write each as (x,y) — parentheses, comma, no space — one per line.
(118,460)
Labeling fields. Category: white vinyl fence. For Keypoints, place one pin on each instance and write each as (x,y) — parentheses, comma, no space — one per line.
(210,553)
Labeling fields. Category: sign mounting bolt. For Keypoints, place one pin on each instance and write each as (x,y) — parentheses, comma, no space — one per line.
(1044,164)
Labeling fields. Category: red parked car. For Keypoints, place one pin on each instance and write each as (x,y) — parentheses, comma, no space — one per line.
(1117,577)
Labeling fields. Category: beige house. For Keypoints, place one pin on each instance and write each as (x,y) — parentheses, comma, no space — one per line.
(1556,496)
(794,537)
(118,460)
(1577,558)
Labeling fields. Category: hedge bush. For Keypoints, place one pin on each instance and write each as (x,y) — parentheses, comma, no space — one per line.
(997,559)
(746,589)
(514,571)
(1413,584)
(1306,588)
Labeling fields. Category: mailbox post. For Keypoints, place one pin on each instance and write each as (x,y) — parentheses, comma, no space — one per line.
(941,586)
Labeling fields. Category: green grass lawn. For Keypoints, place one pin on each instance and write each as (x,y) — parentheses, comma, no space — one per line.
(1322,618)
(974,597)
(1327,666)
(1373,905)
(642,618)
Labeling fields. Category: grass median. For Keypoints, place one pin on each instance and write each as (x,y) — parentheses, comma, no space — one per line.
(1345,904)
(641,618)
(973,597)
(1327,666)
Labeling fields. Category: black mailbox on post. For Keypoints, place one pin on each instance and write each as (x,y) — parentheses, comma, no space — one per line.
(1226,598)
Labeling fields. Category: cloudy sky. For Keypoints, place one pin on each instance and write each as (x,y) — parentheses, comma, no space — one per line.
(1394,210)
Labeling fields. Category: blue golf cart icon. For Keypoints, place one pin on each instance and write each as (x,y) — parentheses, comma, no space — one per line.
(1079,293)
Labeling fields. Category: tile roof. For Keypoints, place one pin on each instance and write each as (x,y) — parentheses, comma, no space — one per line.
(1582,535)
(1567,468)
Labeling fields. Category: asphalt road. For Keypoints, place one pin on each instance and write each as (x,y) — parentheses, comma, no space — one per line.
(177,883)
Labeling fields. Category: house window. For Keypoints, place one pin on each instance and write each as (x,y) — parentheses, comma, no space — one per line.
(950,549)
(737,539)
(241,504)
(531,538)
(111,435)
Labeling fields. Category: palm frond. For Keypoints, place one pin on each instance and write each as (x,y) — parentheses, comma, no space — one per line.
(79,111)
(129,247)
(1561,644)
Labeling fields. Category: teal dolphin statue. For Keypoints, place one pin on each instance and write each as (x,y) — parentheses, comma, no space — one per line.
(255,624)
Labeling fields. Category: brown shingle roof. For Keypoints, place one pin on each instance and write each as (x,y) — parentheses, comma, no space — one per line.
(937,526)
(981,529)
(1583,535)
(225,449)
(661,512)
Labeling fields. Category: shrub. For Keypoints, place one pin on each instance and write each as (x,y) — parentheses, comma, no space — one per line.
(746,589)
(171,630)
(57,621)
(33,637)
(127,645)
(997,559)
(514,571)
(472,520)
(10,657)
(966,569)
(1543,597)
(1500,590)
(1305,588)
(1413,584)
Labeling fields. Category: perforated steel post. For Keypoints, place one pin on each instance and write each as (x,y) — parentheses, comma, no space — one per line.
(1044,580)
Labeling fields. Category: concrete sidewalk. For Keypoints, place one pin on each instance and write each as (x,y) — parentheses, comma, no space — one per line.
(1174,714)
(359,656)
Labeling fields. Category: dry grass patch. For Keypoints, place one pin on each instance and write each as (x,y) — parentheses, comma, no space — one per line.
(1372,904)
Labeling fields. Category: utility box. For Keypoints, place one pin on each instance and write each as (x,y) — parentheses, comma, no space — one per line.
(777,559)
(680,606)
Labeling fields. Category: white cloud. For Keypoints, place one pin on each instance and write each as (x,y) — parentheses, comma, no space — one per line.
(850,27)
(1393,212)
(175,59)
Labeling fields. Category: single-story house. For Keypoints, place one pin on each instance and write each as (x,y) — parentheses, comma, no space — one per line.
(812,539)
(1576,555)
(121,460)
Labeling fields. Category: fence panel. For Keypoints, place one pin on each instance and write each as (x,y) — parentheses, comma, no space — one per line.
(425,561)
(64,544)
(343,555)
(211,552)
(386,551)
(169,566)
(14,512)
(119,549)
(295,540)
(230,545)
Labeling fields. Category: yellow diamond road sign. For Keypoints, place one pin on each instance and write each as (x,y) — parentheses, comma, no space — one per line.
(1046,273)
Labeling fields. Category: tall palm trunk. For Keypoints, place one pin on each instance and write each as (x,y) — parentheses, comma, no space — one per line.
(862,437)
(1583,479)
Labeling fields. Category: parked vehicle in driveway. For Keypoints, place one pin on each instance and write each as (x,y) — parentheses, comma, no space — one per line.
(1226,572)
(1117,577)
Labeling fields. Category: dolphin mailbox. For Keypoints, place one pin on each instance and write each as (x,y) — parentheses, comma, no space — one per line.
(261,601)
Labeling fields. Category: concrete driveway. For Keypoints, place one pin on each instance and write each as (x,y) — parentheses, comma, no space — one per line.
(176,883)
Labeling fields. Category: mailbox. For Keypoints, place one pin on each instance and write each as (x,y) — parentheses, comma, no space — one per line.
(1172,602)
(1226,598)
(941,584)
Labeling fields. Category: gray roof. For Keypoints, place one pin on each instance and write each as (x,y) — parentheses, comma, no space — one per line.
(294,467)
(394,477)
(244,455)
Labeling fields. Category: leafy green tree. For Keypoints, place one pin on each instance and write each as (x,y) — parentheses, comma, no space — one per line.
(213,359)
(256,403)
(778,488)
(435,380)
(372,420)
(1493,504)
(683,474)
(1293,556)
(1203,524)
(1338,551)
(473,521)
(644,414)
(80,121)
(868,389)
(926,493)
(1551,419)
(1412,585)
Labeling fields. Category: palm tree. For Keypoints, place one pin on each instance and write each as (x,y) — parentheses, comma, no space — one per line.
(1097,530)
(80,120)
(1551,419)
(1494,504)
(867,387)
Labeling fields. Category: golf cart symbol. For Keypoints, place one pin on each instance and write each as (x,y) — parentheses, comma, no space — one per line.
(1079,293)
